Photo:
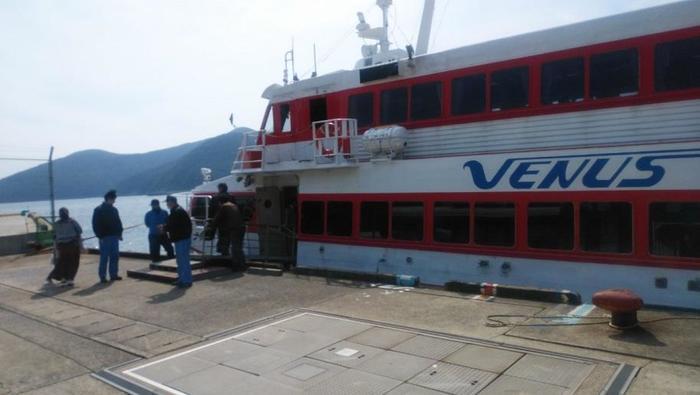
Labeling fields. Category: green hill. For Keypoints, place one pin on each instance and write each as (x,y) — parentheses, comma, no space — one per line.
(90,173)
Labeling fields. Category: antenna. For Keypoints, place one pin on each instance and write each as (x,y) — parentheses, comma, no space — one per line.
(315,73)
(289,57)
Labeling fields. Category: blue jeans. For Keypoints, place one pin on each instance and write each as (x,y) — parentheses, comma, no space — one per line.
(182,257)
(109,252)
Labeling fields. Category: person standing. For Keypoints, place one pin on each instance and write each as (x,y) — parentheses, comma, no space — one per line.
(108,228)
(223,244)
(229,224)
(179,228)
(68,244)
(156,237)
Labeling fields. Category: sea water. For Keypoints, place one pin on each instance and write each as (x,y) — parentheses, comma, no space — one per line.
(132,210)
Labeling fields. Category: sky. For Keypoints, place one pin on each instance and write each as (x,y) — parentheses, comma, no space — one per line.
(131,76)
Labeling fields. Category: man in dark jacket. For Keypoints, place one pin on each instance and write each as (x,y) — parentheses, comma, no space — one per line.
(108,228)
(224,241)
(157,238)
(229,223)
(179,228)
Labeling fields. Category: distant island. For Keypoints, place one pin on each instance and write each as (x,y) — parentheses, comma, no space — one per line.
(92,172)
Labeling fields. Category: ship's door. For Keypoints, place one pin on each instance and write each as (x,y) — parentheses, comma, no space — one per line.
(276,211)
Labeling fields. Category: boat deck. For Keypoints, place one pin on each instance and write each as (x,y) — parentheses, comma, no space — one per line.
(293,333)
(15,224)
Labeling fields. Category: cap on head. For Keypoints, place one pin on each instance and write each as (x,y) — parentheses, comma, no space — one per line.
(111,194)
(223,187)
(155,202)
(171,199)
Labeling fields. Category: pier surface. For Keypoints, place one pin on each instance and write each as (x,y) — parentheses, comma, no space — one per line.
(300,333)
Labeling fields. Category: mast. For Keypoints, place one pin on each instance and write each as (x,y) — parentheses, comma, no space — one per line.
(425,26)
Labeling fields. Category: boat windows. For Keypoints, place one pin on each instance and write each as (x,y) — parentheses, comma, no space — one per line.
(285,118)
(469,94)
(606,226)
(361,108)
(451,222)
(317,110)
(407,221)
(674,229)
(394,105)
(509,88)
(677,65)
(339,219)
(562,81)
(426,100)
(374,220)
(615,74)
(494,224)
(312,217)
(550,225)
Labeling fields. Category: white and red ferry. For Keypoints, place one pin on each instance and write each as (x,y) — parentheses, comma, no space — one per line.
(564,158)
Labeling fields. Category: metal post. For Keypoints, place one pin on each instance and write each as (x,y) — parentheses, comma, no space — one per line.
(51,191)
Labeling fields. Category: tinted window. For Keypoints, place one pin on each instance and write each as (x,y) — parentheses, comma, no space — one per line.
(550,225)
(677,64)
(361,107)
(407,221)
(317,110)
(509,88)
(394,105)
(339,218)
(451,222)
(469,94)
(494,224)
(285,118)
(426,100)
(562,81)
(606,227)
(374,220)
(674,229)
(312,218)
(614,74)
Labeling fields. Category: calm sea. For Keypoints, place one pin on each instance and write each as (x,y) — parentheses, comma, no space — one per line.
(131,209)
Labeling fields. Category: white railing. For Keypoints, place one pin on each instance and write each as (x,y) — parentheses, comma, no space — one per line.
(332,139)
(251,152)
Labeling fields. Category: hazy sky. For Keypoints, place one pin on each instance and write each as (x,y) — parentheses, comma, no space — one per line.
(137,75)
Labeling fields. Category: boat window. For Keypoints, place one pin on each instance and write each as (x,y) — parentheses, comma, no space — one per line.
(317,110)
(339,219)
(451,222)
(615,74)
(550,225)
(312,218)
(469,94)
(562,81)
(677,64)
(426,100)
(674,229)
(285,118)
(361,107)
(198,207)
(509,88)
(374,220)
(407,221)
(606,227)
(494,224)
(394,105)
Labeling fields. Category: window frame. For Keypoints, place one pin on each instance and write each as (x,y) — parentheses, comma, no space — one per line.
(528,91)
(352,218)
(633,235)
(638,50)
(323,220)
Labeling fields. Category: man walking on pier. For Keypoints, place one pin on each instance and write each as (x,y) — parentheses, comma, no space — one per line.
(108,228)
(156,237)
(179,228)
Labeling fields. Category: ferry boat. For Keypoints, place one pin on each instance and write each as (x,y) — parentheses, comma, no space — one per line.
(567,158)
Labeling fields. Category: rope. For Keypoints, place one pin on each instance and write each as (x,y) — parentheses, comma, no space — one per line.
(493,320)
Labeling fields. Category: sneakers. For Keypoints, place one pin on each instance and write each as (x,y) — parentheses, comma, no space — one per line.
(116,278)
(184,285)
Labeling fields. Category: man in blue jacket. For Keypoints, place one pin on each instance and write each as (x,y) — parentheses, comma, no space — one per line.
(108,228)
(179,228)
(156,237)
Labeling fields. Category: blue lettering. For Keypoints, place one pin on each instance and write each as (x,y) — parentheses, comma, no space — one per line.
(591,180)
(479,177)
(523,169)
(558,173)
(644,164)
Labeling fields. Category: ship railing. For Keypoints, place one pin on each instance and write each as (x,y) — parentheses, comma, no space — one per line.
(251,152)
(333,141)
